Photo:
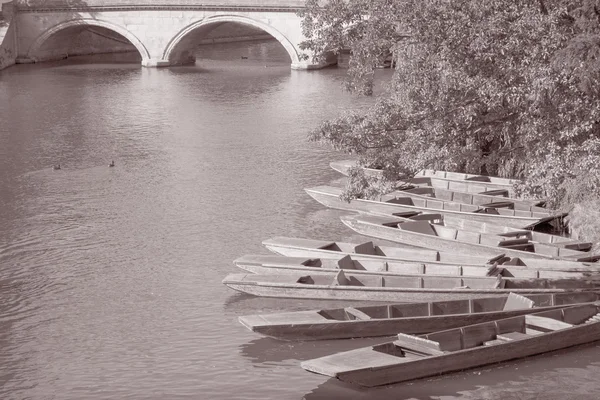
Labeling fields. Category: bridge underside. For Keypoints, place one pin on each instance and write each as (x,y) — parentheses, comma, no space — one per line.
(161,37)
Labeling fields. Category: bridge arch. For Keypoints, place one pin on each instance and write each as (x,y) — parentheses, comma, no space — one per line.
(169,54)
(42,38)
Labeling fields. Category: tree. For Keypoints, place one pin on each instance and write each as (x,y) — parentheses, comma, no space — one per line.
(508,88)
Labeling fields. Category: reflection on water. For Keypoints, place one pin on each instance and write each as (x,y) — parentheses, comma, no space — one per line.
(266,350)
(110,278)
(523,379)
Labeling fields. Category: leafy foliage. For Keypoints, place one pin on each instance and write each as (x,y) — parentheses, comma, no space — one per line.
(507,87)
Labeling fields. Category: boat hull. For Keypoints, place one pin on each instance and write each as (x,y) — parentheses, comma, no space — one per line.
(328,330)
(288,288)
(464,359)
(309,248)
(434,242)
(333,200)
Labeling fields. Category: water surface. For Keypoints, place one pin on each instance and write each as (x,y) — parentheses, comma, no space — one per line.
(110,278)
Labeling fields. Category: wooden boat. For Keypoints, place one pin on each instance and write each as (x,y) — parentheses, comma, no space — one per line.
(411,357)
(483,200)
(312,248)
(420,232)
(413,318)
(273,264)
(459,176)
(346,286)
(396,204)
(474,184)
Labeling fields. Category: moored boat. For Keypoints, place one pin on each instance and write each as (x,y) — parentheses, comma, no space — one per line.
(413,318)
(346,286)
(313,248)
(412,357)
(397,204)
(274,264)
(416,231)
(483,200)
(453,181)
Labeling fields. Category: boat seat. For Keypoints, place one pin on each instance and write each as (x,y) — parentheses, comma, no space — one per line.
(513,242)
(478,178)
(498,204)
(496,259)
(545,324)
(312,262)
(506,337)
(346,263)
(515,233)
(495,192)
(406,214)
(365,248)
(418,344)
(357,314)
(511,336)
(517,302)
(427,217)
(406,201)
(492,211)
(340,279)
(306,280)
(422,227)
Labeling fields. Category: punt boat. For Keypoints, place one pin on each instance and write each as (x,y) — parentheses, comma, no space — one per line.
(397,204)
(408,288)
(475,184)
(413,318)
(417,231)
(482,200)
(412,357)
(274,264)
(313,248)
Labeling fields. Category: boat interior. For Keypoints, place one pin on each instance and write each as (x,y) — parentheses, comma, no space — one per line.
(421,268)
(491,333)
(445,282)
(505,208)
(515,240)
(474,198)
(466,177)
(452,307)
(424,255)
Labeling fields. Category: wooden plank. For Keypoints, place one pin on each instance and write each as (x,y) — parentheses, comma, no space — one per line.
(511,336)
(422,227)
(357,313)
(418,343)
(475,335)
(545,324)
(449,340)
(515,302)
(365,248)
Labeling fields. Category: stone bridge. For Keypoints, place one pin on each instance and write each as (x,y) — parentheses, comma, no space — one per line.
(163,34)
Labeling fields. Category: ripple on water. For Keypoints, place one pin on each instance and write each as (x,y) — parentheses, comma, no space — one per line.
(110,278)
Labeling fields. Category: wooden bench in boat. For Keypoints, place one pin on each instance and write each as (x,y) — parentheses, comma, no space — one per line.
(356,314)
(544,324)
(499,331)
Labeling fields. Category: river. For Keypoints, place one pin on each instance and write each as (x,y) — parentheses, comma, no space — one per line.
(110,278)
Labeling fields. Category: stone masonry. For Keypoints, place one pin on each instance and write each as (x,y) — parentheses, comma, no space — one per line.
(163,34)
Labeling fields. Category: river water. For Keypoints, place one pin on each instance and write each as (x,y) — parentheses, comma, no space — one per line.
(110,278)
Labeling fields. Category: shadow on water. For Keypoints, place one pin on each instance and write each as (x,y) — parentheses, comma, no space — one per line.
(268,350)
(529,378)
